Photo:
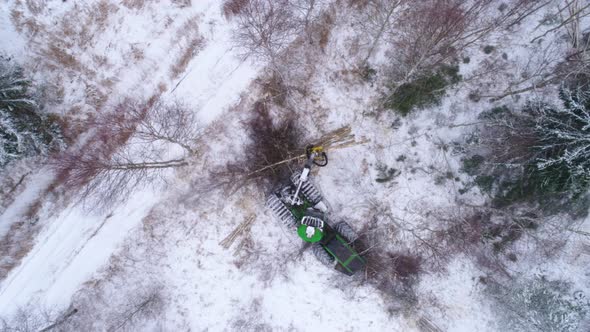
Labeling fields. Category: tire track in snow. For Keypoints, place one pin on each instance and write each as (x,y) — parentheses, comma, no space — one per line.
(71,249)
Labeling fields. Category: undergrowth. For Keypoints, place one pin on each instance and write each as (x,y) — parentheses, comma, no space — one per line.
(424,91)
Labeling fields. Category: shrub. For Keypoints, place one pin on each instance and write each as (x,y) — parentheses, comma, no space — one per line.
(474,96)
(367,74)
(233,7)
(386,174)
(488,49)
(406,266)
(394,275)
(426,90)
(472,164)
(275,89)
(485,182)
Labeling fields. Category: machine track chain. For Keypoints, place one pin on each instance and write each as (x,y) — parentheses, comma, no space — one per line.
(322,255)
(280,211)
(346,231)
(311,193)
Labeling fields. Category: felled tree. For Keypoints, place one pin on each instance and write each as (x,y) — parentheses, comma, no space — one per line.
(131,147)
(23,130)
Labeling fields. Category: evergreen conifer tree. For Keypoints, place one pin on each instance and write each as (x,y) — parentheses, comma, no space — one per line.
(24,131)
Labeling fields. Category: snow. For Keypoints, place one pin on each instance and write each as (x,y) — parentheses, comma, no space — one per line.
(10,42)
(74,243)
(33,190)
(67,253)
(461,287)
(172,233)
(216,76)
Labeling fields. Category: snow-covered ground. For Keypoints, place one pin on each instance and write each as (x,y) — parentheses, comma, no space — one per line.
(168,237)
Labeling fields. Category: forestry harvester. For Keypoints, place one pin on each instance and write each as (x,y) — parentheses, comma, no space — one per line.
(299,205)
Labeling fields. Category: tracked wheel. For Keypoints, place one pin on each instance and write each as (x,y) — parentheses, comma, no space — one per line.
(346,231)
(280,210)
(322,255)
(311,193)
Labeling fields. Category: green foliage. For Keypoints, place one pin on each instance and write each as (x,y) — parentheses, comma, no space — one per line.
(496,113)
(472,164)
(538,304)
(485,182)
(426,90)
(551,150)
(560,162)
(23,130)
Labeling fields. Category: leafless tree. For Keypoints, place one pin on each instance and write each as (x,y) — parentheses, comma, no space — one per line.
(549,65)
(132,147)
(432,32)
(264,29)
(34,318)
(377,21)
(420,36)
(305,13)
(146,303)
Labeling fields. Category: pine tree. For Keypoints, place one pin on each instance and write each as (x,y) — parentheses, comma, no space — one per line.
(24,131)
(562,150)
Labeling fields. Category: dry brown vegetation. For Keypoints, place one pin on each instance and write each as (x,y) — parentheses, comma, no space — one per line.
(108,170)
(190,43)
(324,29)
(61,46)
(185,57)
(135,4)
(16,244)
(233,7)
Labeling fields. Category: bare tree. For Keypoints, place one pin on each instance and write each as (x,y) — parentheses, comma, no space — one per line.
(305,13)
(421,36)
(549,65)
(377,21)
(264,29)
(570,17)
(432,32)
(132,147)
(138,306)
(34,318)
